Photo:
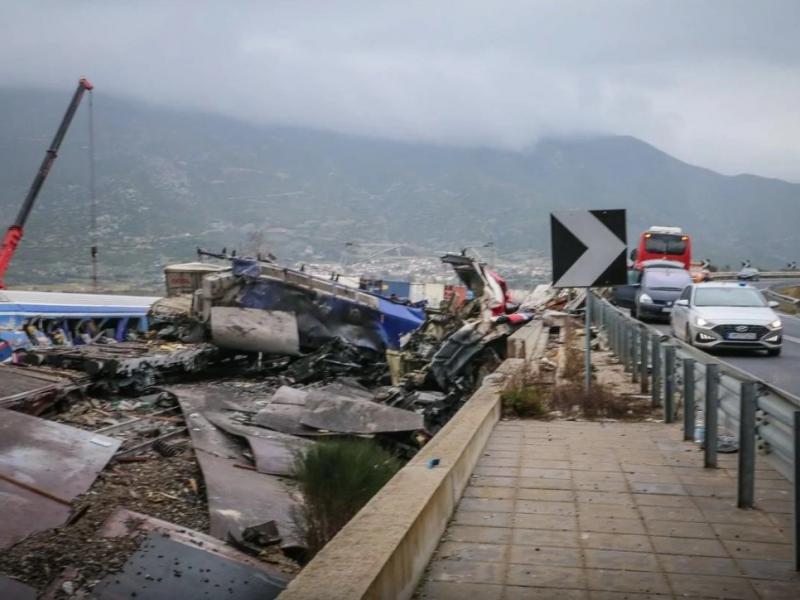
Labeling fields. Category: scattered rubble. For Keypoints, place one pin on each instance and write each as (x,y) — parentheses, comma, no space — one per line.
(201,422)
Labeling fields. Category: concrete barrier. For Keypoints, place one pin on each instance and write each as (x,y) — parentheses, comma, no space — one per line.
(384,550)
(524,342)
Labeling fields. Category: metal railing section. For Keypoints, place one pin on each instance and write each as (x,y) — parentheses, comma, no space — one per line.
(710,396)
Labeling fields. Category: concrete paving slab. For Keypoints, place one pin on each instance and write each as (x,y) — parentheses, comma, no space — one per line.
(615,498)
(713,586)
(527,593)
(544,537)
(472,491)
(546,576)
(597,595)
(611,524)
(627,581)
(698,565)
(682,529)
(615,541)
(751,533)
(541,507)
(688,546)
(463,571)
(776,590)
(759,550)
(545,555)
(769,569)
(615,559)
(649,523)
(471,551)
(545,495)
(445,590)
(478,535)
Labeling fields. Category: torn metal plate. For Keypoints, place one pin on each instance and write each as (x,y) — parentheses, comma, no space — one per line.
(274,452)
(26,512)
(255,330)
(289,395)
(237,497)
(44,465)
(348,412)
(165,569)
(284,418)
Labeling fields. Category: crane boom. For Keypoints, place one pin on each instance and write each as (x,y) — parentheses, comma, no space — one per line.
(15,231)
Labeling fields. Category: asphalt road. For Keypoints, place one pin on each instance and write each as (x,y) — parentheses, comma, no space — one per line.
(781,371)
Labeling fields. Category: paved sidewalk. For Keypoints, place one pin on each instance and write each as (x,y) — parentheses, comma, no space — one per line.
(608,511)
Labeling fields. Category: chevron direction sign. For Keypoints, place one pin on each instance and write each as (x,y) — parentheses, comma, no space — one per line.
(588,248)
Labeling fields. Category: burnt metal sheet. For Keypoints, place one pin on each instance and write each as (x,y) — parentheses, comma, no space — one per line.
(289,395)
(205,436)
(255,330)
(274,452)
(240,498)
(34,389)
(346,409)
(15,590)
(165,569)
(57,458)
(43,466)
(127,523)
(26,512)
(237,498)
(284,418)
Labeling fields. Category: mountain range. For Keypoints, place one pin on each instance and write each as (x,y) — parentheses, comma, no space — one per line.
(169,181)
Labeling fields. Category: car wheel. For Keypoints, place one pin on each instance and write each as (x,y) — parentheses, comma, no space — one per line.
(774,352)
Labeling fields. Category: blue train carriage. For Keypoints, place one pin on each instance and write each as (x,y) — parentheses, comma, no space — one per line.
(29,319)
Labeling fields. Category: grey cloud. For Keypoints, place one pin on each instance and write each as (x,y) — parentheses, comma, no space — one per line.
(715,83)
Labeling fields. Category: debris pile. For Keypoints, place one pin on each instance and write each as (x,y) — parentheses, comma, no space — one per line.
(200,424)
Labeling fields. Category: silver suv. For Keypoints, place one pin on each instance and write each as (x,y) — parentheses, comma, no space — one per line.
(726,315)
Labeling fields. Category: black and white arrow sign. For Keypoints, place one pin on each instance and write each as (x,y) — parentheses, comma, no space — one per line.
(589,248)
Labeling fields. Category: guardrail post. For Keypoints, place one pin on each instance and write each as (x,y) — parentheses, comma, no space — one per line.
(797,490)
(635,368)
(626,356)
(712,394)
(747,445)
(669,383)
(655,376)
(612,332)
(643,364)
(688,399)
(631,335)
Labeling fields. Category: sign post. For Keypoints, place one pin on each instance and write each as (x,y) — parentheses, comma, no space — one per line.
(589,249)
(587,359)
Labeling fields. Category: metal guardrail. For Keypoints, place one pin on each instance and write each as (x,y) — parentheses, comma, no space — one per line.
(759,416)
(762,274)
(781,297)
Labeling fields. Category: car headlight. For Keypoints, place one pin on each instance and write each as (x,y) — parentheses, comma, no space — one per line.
(645,298)
(776,324)
(701,322)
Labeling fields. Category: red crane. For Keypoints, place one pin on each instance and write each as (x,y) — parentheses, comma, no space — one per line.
(14,234)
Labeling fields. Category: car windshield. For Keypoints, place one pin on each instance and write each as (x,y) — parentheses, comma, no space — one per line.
(666,279)
(728,296)
(659,243)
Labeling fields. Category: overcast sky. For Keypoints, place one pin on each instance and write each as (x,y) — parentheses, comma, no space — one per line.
(715,83)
